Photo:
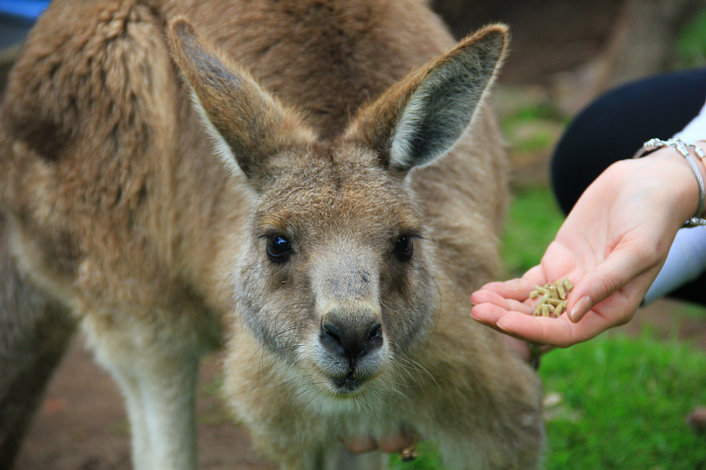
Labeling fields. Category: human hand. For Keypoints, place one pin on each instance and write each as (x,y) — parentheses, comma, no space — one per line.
(404,443)
(611,247)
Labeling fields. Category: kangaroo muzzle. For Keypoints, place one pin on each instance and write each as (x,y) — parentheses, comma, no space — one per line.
(351,335)
(351,339)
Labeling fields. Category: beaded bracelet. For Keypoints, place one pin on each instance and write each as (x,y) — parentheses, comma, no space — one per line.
(683,148)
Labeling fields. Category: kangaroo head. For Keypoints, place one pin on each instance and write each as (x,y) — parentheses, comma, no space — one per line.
(337,278)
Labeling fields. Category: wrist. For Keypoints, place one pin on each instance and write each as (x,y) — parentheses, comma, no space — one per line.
(674,151)
(701,163)
(696,158)
(677,179)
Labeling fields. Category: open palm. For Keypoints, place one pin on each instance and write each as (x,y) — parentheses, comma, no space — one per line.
(611,246)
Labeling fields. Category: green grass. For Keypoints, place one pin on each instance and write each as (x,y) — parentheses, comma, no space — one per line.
(427,460)
(623,404)
(529,113)
(532,128)
(691,43)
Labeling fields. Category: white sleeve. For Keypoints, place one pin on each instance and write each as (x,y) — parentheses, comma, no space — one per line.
(685,262)
(687,256)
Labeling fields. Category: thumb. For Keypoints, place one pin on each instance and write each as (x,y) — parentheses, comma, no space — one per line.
(613,274)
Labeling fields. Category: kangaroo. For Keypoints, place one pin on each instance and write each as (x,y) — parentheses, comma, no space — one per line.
(315,185)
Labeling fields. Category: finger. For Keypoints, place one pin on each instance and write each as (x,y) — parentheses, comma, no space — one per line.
(360,444)
(619,307)
(535,275)
(541,330)
(395,443)
(610,276)
(558,332)
(517,289)
(490,297)
(488,313)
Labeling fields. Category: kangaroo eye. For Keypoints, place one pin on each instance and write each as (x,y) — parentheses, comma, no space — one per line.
(278,248)
(404,248)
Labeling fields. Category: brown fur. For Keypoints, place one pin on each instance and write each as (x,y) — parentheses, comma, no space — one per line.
(34,331)
(119,209)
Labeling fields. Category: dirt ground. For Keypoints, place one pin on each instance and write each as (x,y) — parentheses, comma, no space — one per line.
(82,425)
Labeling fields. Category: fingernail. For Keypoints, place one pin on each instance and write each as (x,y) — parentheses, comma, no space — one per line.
(580,309)
(476,317)
(499,324)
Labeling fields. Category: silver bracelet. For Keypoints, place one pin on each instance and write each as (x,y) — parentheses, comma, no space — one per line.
(683,148)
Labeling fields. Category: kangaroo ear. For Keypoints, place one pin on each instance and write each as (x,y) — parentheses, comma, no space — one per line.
(420,118)
(248,124)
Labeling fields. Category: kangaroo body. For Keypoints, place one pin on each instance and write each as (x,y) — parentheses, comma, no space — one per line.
(274,176)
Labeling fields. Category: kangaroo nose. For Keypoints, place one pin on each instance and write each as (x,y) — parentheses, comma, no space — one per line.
(351,341)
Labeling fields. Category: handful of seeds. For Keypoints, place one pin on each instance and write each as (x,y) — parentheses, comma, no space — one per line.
(552,298)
